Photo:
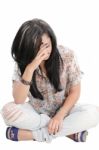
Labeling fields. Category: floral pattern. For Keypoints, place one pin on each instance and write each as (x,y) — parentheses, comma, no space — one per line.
(70,76)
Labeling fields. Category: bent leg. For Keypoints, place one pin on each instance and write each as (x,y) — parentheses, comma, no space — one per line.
(80,118)
(23,116)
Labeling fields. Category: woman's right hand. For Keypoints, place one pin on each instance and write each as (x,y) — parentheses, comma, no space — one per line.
(20,91)
(42,55)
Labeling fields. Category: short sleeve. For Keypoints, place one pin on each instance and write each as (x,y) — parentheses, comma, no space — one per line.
(73,69)
(16,73)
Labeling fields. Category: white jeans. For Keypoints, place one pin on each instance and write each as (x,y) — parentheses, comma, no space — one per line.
(23,116)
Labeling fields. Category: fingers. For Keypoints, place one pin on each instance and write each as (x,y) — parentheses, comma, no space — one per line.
(44,56)
(50,127)
(43,53)
(56,129)
(43,48)
(53,127)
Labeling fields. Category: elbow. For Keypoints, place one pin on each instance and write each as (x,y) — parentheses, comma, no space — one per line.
(18,99)
(19,94)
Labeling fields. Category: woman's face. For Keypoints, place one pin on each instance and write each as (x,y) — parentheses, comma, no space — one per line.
(47,41)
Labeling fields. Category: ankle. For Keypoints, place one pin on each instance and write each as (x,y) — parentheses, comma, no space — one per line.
(24,135)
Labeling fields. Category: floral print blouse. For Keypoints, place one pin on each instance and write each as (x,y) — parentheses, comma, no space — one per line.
(70,76)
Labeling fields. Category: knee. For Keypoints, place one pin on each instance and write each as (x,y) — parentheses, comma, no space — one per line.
(10,113)
(97,108)
(93,114)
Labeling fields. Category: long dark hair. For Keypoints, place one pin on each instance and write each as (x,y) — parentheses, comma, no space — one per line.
(25,47)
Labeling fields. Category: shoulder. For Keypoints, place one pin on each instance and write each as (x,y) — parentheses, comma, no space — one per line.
(66,53)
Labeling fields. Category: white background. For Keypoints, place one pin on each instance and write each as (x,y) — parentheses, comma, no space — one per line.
(76,24)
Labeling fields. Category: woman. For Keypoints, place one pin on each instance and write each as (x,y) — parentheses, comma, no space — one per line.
(49,76)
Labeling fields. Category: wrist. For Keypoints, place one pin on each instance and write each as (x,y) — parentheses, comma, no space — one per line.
(27,75)
(63,112)
(30,68)
(25,82)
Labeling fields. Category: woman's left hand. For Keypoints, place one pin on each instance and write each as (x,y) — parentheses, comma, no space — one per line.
(55,123)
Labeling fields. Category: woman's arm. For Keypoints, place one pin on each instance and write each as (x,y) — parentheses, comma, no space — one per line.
(55,123)
(74,76)
(20,91)
(70,101)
